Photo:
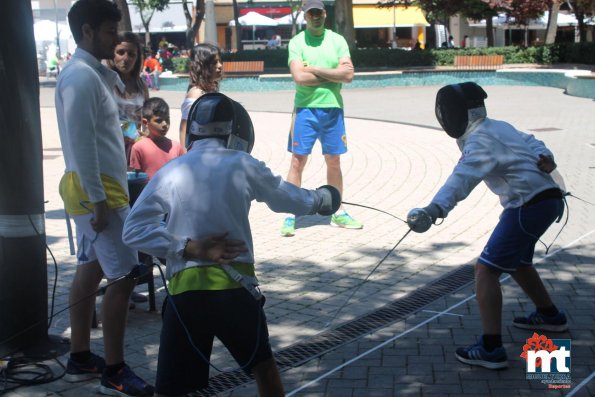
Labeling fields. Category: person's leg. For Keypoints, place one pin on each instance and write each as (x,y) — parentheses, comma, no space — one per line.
(82,301)
(489,298)
(296,169)
(114,314)
(528,279)
(333,140)
(334,176)
(268,379)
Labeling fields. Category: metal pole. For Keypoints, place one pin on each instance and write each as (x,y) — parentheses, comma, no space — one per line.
(59,53)
(394,25)
(23,263)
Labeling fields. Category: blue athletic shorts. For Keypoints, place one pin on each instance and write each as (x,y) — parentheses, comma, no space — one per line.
(233,316)
(512,243)
(310,124)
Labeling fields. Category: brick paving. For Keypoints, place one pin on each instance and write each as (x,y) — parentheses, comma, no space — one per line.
(397,160)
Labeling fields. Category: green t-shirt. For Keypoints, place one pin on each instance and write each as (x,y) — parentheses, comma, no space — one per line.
(324,51)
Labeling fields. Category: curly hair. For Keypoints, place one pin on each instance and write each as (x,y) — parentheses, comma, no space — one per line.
(202,59)
(132,38)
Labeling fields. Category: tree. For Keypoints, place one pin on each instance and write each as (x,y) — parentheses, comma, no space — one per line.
(146,9)
(438,11)
(552,22)
(523,11)
(238,28)
(344,20)
(193,24)
(582,9)
(125,25)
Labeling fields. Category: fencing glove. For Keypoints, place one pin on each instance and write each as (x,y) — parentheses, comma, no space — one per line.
(330,200)
(421,219)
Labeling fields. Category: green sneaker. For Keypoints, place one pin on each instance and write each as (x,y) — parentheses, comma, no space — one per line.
(288,228)
(345,220)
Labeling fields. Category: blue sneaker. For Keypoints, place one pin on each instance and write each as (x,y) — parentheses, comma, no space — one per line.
(125,383)
(80,372)
(477,355)
(540,322)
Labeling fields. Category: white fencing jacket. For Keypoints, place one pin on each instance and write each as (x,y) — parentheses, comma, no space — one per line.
(504,158)
(207,191)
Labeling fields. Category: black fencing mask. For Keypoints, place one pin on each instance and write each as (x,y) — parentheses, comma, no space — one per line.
(214,115)
(458,105)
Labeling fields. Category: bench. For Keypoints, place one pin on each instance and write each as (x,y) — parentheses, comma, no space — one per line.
(243,67)
(479,61)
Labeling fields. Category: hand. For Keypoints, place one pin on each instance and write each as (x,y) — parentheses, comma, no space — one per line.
(217,248)
(330,200)
(546,163)
(100,218)
(421,219)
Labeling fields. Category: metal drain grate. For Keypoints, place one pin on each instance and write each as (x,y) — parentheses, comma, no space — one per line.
(300,353)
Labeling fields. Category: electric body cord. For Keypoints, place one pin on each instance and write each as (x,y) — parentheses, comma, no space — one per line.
(41,378)
(170,301)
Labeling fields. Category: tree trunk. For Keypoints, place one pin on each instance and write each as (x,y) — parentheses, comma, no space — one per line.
(582,31)
(238,27)
(490,30)
(125,25)
(193,24)
(552,23)
(344,21)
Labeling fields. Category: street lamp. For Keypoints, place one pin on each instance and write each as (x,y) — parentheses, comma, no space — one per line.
(57,31)
(394,24)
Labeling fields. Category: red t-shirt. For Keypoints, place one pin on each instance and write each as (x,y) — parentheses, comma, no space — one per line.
(148,156)
(153,64)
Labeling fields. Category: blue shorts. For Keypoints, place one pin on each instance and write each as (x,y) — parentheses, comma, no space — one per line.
(512,243)
(233,316)
(310,124)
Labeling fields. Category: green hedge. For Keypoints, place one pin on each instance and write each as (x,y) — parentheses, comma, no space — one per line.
(380,58)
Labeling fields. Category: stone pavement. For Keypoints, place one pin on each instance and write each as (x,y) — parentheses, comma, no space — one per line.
(397,161)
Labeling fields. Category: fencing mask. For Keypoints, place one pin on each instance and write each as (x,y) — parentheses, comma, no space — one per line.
(458,105)
(214,115)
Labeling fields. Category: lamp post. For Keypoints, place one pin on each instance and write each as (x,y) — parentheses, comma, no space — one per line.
(58,54)
(394,45)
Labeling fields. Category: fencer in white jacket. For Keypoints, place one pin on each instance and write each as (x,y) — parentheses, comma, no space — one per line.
(194,213)
(515,166)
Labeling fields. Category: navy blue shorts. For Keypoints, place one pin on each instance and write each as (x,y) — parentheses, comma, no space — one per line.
(233,316)
(324,124)
(512,243)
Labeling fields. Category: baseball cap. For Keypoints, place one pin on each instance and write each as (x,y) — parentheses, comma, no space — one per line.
(312,4)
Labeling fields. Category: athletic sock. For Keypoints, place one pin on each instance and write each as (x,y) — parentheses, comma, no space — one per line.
(111,370)
(550,311)
(80,357)
(491,342)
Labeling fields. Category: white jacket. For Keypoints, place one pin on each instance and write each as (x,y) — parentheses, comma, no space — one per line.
(89,125)
(504,158)
(207,191)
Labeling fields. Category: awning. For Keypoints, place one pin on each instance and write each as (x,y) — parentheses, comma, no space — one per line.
(370,16)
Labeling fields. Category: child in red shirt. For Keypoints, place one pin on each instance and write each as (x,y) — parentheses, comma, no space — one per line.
(155,149)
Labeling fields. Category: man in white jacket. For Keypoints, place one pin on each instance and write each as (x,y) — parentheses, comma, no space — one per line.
(517,168)
(95,193)
(205,198)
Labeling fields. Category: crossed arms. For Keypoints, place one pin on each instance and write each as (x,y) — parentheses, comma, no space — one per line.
(314,75)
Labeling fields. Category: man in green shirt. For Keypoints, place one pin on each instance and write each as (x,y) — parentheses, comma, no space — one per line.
(319,62)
